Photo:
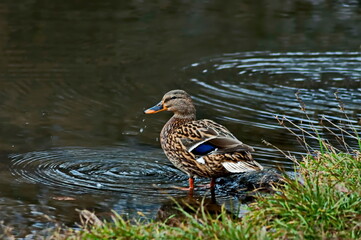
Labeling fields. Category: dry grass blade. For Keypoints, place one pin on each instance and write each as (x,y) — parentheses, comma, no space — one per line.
(288,156)
(301,140)
(341,129)
(6,232)
(88,218)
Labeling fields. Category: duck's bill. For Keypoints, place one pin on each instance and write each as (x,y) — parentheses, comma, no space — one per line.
(157,108)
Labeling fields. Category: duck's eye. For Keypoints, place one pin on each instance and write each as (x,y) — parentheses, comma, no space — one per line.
(171,98)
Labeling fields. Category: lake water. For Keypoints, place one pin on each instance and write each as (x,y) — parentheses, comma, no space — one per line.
(75,77)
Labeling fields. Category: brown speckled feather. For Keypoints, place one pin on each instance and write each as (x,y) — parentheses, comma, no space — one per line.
(176,142)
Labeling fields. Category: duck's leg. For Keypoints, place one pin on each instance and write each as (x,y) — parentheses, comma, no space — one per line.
(191,183)
(212,185)
(191,187)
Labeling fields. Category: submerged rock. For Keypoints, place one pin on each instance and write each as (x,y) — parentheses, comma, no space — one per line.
(243,185)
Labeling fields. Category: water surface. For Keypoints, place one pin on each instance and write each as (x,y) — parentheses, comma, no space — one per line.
(75,78)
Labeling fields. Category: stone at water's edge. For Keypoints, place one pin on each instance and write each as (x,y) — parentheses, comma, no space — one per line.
(240,184)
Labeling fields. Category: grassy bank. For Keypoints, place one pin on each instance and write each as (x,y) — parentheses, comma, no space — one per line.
(322,202)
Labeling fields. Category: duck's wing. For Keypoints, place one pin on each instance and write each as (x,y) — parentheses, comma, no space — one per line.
(212,143)
(205,136)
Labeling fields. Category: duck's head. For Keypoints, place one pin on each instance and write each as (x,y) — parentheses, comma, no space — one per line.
(177,101)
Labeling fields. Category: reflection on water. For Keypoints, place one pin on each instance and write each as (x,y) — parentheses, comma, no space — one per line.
(75,78)
(172,211)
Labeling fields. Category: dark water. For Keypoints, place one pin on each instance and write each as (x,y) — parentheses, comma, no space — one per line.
(76,76)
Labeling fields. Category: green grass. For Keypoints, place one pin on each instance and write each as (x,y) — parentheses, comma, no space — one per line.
(322,202)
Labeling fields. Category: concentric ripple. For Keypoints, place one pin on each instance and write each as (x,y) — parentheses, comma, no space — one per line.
(83,170)
(272,79)
(249,89)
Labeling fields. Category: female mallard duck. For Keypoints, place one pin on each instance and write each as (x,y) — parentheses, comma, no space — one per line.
(200,147)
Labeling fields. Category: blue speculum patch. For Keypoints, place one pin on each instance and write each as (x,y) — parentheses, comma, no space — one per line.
(203,149)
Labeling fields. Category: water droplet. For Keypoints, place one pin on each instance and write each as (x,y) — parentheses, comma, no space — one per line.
(141,130)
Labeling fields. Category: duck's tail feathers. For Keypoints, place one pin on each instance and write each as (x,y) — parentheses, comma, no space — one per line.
(238,167)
